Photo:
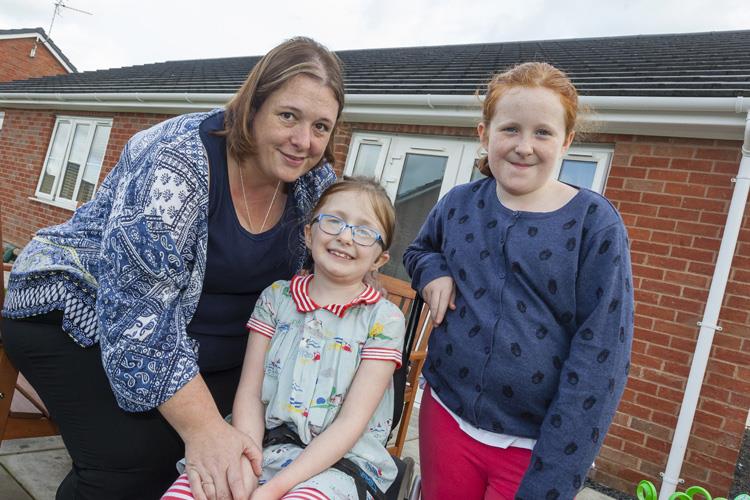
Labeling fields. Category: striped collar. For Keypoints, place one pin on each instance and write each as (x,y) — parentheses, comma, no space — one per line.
(300,286)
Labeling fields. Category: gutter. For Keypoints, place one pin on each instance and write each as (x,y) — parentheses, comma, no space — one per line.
(709,323)
(701,117)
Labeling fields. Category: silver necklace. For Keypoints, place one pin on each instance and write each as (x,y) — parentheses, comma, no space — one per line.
(247,210)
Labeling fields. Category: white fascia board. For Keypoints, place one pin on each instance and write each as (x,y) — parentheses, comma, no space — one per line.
(698,117)
(49,46)
(695,117)
(117,102)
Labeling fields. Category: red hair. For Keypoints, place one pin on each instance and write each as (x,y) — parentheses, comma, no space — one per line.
(530,74)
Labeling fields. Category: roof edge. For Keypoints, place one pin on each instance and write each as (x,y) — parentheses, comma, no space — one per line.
(41,36)
(697,117)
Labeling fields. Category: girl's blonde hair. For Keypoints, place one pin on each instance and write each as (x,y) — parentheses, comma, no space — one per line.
(530,74)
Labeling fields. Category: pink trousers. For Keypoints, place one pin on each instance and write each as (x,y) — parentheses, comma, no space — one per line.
(455,465)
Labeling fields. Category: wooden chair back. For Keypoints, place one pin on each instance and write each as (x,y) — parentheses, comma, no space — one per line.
(418,332)
(19,424)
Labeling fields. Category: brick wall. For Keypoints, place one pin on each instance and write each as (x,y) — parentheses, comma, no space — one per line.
(673,195)
(15,63)
(24,140)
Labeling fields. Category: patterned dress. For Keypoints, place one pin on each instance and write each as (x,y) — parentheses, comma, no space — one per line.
(311,362)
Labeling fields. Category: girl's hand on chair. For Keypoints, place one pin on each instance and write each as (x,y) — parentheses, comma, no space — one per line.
(439,295)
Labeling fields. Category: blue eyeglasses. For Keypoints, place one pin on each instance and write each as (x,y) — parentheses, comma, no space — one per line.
(361,235)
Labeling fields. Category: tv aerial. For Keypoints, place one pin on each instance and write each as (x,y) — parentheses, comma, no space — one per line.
(59,4)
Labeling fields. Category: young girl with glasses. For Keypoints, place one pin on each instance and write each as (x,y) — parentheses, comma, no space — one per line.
(529,280)
(316,385)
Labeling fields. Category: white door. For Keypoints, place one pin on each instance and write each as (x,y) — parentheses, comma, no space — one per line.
(416,172)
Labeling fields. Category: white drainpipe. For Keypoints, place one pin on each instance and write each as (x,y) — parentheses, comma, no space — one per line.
(709,323)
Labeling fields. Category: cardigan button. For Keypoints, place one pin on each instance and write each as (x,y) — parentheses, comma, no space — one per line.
(486,350)
(478,388)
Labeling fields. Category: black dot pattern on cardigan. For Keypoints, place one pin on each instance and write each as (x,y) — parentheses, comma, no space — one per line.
(544,312)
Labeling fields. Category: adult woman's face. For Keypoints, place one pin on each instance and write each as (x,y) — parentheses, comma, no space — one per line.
(292,128)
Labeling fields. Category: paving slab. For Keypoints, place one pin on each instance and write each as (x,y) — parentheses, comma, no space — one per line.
(38,472)
(10,489)
(589,494)
(26,445)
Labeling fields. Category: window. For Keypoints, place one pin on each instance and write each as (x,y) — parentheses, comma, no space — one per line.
(74,160)
(2,117)
(586,166)
(582,166)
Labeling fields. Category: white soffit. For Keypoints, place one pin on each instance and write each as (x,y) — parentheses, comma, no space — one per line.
(699,117)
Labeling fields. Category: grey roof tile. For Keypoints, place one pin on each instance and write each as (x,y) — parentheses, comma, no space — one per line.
(713,64)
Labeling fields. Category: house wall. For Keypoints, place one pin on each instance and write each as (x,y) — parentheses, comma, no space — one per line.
(673,195)
(24,140)
(15,63)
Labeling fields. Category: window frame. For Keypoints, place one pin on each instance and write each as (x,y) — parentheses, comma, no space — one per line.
(53,197)
(601,154)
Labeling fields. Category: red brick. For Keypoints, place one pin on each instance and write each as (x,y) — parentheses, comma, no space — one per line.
(695,228)
(708,462)
(664,379)
(637,208)
(708,179)
(693,280)
(666,419)
(649,161)
(628,435)
(673,151)
(644,185)
(698,295)
(669,263)
(718,154)
(671,238)
(726,167)
(648,272)
(658,174)
(656,404)
(623,195)
(695,165)
(679,214)
(685,189)
(661,287)
(651,248)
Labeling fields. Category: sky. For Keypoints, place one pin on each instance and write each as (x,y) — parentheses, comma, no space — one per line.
(130,32)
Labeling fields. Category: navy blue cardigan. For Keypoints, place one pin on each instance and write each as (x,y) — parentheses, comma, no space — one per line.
(539,343)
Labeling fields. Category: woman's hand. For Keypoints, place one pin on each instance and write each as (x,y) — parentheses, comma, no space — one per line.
(439,295)
(213,448)
(222,463)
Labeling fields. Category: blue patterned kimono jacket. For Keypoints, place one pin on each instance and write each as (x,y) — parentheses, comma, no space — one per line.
(127,269)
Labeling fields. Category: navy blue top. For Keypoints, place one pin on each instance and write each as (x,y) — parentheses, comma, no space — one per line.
(539,343)
(239,264)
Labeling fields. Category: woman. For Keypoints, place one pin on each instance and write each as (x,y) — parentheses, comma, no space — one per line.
(154,277)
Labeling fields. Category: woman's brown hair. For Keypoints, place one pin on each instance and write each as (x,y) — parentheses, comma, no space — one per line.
(297,56)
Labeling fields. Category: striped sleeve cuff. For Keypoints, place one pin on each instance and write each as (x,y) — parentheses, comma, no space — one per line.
(382,354)
(260,327)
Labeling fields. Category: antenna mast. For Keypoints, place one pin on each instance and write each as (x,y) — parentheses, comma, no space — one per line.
(59,4)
